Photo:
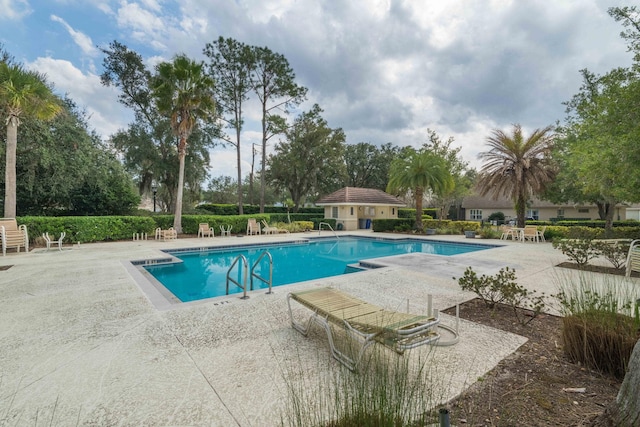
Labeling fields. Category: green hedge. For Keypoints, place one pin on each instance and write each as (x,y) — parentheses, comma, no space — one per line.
(411,213)
(107,228)
(597,223)
(582,232)
(400,224)
(460,226)
(88,228)
(283,217)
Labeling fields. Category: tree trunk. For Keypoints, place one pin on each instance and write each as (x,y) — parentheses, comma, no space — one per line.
(521,205)
(10,171)
(264,156)
(419,195)
(238,166)
(177,220)
(627,400)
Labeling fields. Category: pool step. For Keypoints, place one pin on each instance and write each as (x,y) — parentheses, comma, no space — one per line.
(361,266)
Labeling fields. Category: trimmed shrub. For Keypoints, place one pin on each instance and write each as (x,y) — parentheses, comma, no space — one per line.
(502,288)
(88,228)
(496,216)
(411,213)
(317,221)
(388,225)
(614,252)
(580,251)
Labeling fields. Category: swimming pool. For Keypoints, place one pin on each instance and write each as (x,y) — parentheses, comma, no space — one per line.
(201,273)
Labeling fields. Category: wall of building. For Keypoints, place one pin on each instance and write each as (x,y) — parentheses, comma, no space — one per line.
(353,217)
(547,213)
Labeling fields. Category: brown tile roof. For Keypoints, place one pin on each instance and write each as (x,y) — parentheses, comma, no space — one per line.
(360,196)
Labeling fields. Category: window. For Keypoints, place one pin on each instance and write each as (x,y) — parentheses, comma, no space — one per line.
(583,210)
(334,212)
(351,210)
(393,211)
(475,214)
(560,213)
(533,214)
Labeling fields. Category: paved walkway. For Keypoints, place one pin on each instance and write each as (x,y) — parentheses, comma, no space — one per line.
(81,344)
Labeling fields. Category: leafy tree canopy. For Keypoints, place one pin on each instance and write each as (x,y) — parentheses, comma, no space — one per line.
(309,161)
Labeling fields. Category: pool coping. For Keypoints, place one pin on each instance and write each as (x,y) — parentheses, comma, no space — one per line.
(163,299)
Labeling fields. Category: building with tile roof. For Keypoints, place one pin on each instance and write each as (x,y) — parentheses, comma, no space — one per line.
(355,208)
(478,208)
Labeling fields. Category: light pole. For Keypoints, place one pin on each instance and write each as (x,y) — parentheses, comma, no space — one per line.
(154,188)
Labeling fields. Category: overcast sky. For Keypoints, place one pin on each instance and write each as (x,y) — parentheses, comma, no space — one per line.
(382,70)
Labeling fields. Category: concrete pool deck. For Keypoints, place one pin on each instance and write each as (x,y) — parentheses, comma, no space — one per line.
(81,344)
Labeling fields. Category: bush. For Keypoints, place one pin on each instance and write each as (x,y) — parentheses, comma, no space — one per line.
(459,226)
(614,252)
(597,223)
(502,288)
(317,221)
(411,213)
(496,216)
(387,225)
(303,225)
(88,228)
(585,233)
(580,251)
(489,232)
(555,232)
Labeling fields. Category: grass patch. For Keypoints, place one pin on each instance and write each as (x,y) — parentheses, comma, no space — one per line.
(387,389)
(601,321)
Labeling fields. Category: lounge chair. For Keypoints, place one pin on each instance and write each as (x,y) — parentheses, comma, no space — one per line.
(205,231)
(13,236)
(633,258)
(253,227)
(49,240)
(364,323)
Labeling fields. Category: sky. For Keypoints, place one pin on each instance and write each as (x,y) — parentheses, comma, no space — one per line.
(382,70)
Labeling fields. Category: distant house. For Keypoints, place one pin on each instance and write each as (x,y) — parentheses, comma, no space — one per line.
(354,208)
(478,208)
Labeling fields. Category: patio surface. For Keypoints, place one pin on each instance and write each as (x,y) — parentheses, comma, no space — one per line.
(81,344)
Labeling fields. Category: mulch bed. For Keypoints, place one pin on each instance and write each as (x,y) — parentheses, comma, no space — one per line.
(597,269)
(526,389)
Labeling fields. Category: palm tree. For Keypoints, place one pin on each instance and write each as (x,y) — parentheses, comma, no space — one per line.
(23,94)
(516,167)
(184,93)
(417,172)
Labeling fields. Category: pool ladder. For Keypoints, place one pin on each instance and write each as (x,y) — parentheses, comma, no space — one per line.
(243,273)
(330,228)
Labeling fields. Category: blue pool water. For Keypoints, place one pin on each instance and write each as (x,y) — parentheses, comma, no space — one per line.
(202,274)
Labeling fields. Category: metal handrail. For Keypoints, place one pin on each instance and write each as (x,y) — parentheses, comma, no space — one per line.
(244,275)
(330,228)
(255,264)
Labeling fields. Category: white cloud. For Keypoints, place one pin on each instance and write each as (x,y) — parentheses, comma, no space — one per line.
(81,39)
(13,10)
(101,103)
(145,25)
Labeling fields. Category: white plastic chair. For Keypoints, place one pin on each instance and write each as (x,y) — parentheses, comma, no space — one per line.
(225,230)
(48,240)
